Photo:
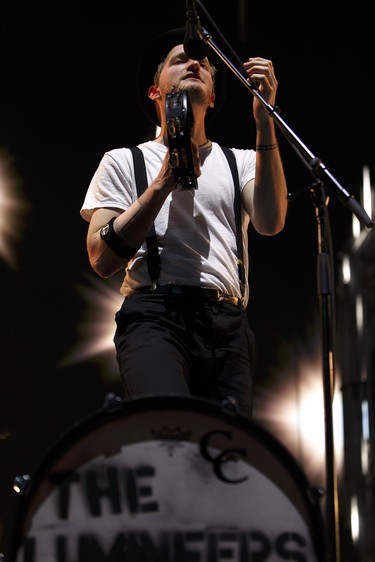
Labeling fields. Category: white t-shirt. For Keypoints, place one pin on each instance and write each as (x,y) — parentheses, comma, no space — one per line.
(195,229)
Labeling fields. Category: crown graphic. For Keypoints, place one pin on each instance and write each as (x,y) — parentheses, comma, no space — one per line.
(171,434)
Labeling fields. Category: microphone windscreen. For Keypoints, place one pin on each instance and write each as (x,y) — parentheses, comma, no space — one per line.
(195,48)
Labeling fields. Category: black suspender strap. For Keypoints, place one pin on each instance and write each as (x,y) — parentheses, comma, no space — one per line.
(237,210)
(153,257)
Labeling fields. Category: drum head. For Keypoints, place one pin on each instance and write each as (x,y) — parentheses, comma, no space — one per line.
(168,479)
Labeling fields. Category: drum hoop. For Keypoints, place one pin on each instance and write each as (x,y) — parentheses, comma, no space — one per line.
(117,408)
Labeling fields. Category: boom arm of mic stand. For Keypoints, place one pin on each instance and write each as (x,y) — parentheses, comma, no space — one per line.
(314,164)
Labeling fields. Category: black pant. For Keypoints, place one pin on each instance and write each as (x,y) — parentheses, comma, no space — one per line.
(172,344)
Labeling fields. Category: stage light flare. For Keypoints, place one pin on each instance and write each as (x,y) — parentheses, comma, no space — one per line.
(12,209)
(294,411)
(95,332)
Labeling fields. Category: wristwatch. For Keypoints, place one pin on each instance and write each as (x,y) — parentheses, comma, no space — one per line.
(113,241)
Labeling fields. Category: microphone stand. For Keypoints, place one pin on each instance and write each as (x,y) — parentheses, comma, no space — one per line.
(318,171)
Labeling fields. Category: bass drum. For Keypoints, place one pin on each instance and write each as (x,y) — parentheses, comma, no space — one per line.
(168,479)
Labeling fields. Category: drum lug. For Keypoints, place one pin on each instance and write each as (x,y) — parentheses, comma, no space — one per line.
(231,405)
(111,399)
(20,483)
(318,492)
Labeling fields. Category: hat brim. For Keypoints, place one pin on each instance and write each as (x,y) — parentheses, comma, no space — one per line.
(154,53)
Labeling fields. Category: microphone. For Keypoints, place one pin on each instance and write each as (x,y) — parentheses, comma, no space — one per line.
(194,46)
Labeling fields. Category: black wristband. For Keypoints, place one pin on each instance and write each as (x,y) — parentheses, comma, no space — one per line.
(113,241)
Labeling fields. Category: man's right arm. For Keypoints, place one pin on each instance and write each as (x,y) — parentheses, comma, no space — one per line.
(131,226)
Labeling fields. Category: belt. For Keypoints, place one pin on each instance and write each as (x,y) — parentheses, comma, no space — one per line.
(191,291)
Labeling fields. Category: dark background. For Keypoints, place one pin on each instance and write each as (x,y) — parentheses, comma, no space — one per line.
(67,95)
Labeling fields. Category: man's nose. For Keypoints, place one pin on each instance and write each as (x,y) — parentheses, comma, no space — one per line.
(193,62)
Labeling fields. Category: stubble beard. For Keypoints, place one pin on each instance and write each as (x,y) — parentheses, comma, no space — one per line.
(196,93)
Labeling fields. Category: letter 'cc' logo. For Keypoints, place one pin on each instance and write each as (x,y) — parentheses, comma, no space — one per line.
(222,458)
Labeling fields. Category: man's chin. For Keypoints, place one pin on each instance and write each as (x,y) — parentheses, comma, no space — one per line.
(195,90)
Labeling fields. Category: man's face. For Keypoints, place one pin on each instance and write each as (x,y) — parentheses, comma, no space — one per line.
(179,73)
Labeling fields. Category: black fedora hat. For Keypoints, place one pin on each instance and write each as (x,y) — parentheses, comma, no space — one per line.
(154,53)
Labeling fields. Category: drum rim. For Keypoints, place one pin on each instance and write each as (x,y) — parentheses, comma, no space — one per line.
(117,407)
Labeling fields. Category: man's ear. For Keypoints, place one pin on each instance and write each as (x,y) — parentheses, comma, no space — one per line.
(212,99)
(153,93)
